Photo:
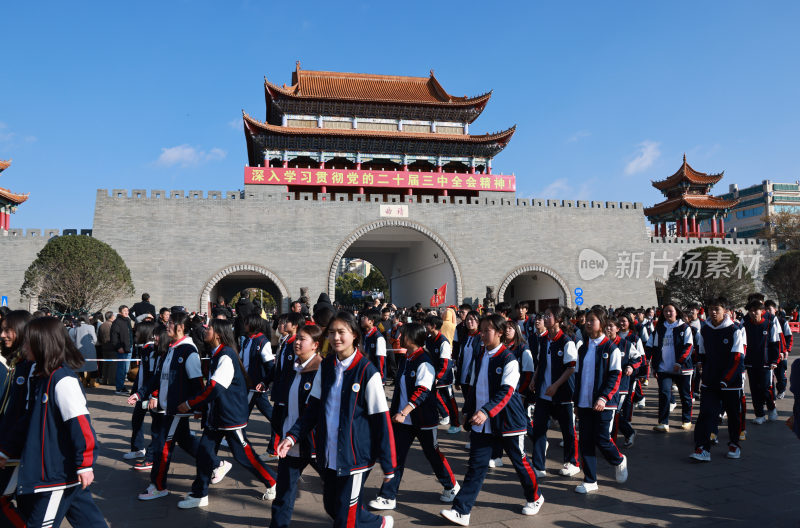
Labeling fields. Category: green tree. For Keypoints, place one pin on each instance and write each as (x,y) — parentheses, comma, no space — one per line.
(375,281)
(77,273)
(708,272)
(346,284)
(783,278)
(256,294)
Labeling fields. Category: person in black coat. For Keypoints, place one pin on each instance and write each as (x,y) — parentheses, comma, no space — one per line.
(143,307)
(121,340)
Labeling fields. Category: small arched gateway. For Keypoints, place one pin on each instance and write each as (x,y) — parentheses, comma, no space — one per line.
(539,285)
(413,259)
(229,281)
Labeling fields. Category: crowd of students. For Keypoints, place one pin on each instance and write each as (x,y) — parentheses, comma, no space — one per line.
(322,384)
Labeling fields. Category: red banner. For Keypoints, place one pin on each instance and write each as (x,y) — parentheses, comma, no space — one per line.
(373,179)
(439,297)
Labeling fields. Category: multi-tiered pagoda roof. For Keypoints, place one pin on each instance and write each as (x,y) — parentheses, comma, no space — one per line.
(6,196)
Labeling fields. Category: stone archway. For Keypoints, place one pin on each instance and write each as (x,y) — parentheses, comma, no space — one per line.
(535,269)
(397,225)
(205,296)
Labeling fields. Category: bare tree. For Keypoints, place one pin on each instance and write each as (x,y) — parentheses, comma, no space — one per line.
(782,229)
(705,273)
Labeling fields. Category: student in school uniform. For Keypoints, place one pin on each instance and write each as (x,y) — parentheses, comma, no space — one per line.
(496,416)
(440,351)
(632,359)
(179,376)
(469,348)
(670,347)
(597,381)
(785,348)
(554,383)
(374,342)
(225,400)
(761,358)
(284,358)
(144,338)
(415,416)
(17,371)
(722,357)
(58,449)
(348,413)
(289,406)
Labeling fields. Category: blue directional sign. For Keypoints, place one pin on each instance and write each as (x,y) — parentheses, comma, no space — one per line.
(579,301)
(4,301)
(578,292)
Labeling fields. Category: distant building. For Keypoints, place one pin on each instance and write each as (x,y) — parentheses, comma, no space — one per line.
(746,219)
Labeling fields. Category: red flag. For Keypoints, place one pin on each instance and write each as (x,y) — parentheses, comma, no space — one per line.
(439,297)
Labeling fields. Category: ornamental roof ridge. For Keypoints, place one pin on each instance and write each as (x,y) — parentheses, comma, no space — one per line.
(687,173)
(693,201)
(14,198)
(502,136)
(4,164)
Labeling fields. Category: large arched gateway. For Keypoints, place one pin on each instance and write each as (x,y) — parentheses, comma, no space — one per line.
(414,260)
(229,281)
(539,285)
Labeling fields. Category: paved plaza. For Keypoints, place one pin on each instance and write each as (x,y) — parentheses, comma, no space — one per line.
(665,487)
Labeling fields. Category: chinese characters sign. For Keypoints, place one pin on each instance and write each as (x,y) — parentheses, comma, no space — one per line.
(394,211)
(372,179)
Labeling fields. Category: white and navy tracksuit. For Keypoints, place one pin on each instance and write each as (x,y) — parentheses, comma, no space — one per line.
(598,377)
(178,378)
(761,355)
(669,345)
(259,363)
(556,355)
(469,349)
(722,357)
(225,399)
(441,353)
(284,363)
(59,444)
(494,394)
(630,346)
(348,413)
(147,369)
(416,385)
(14,420)
(289,406)
(375,350)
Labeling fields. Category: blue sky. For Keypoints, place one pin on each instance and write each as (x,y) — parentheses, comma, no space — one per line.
(606,95)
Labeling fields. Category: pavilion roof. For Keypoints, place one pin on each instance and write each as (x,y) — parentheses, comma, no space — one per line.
(691,202)
(4,165)
(7,195)
(253,125)
(368,87)
(687,174)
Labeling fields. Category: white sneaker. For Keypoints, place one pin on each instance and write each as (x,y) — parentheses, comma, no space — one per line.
(569,469)
(445,421)
(134,454)
(382,503)
(220,471)
(640,404)
(540,473)
(450,495)
(586,487)
(760,420)
(672,406)
(388,521)
(495,462)
(621,471)
(661,428)
(193,502)
(781,395)
(686,426)
(701,455)
(646,383)
(734,452)
(532,508)
(271,493)
(629,440)
(152,493)
(455,517)
(773,415)
(453,429)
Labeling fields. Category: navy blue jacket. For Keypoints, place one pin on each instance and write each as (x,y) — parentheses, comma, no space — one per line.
(425,414)
(723,365)
(364,438)
(371,350)
(60,440)
(225,395)
(505,409)
(606,378)
(258,370)
(307,443)
(15,419)
(557,366)
(763,342)
(284,361)
(625,347)
(182,387)
(442,366)
(467,367)
(683,351)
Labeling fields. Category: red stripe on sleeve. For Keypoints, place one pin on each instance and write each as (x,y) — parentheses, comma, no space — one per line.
(417,393)
(615,389)
(729,375)
(390,432)
(499,407)
(88,437)
(686,353)
(439,374)
(381,362)
(203,395)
